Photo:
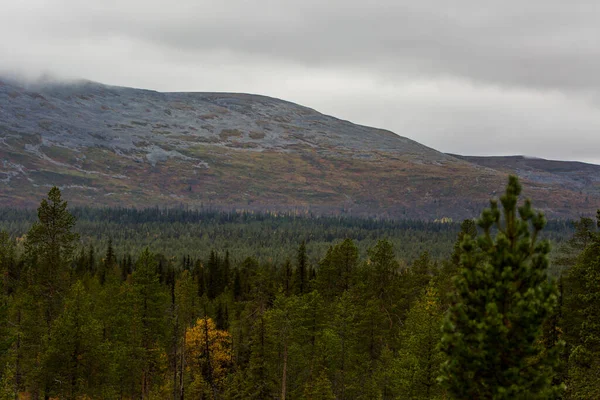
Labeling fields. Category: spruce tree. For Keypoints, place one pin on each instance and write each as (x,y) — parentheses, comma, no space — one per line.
(337,269)
(419,357)
(585,232)
(49,250)
(214,281)
(74,356)
(8,264)
(49,246)
(320,388)
(91,263)
(258,383)
(107,264)
(301,269)
(149,311)
(7,338)
(288,273)
(382,269)
(492,330)
(450,267)
(580,323)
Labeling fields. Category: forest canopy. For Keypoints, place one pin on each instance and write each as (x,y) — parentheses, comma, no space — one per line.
(157,303)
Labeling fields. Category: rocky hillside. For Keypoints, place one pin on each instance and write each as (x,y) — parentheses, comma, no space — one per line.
(117,146)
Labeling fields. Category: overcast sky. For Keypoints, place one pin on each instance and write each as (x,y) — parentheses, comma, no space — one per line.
(478,77)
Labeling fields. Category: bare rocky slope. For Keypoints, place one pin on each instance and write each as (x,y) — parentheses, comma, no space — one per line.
(115,146)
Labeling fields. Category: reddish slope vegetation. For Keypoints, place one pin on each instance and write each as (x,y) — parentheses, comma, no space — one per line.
(117,146)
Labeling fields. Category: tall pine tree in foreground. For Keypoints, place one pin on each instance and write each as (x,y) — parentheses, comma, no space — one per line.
(491,331)
(49,249)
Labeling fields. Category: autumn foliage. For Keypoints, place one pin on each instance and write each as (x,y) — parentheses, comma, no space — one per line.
(208,356)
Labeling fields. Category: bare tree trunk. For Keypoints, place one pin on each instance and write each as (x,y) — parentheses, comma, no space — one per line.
(284,375)
(343,367)
(143,385)
(181,376)
(18,362)
(175,345)
(209,377)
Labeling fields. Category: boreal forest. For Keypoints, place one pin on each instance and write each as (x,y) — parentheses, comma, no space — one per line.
(182,304)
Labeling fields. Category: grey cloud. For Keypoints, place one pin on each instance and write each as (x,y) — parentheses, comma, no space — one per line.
(466,76)
(468,119)
(541,44)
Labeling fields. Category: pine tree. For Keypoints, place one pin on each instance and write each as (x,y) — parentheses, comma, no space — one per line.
(301,273)
(49,250)
(467,228)
(282,319)
(220,319)
(420,359)
(320,388)
(149,311)
(108,263)
(50,244)
(81,262)
(288,273)
(492,330)
(214,284)
(186,310)
(226,274)
(118,310)
(337,270)
(382,269)
(342,325)
(581,322)
(383,291)
(7,337)
(200,274)
(417,277)
(258,382)
(585,232)
(8,264)
(74,357)
(91,259)
(110,257)
(237,286)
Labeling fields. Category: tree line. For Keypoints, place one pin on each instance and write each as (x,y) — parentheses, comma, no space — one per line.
(484,323)
(265,236)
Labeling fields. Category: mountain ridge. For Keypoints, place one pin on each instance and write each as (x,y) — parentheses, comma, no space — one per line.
(110,145)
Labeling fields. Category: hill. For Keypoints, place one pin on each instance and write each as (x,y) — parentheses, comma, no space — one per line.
(576,176)
(106,145)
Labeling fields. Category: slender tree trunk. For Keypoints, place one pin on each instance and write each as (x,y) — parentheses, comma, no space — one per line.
(74,373)
(175,380)
(175,342)
(146,349)
(143,385)
(18,362)
(175,345)
(343,367)
(181,376)
(209,377)
(48,325)
(284,375)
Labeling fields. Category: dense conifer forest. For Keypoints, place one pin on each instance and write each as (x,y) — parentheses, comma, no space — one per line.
(159,304)
(269,237)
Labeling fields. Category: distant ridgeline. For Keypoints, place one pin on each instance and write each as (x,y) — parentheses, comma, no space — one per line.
(115,146)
